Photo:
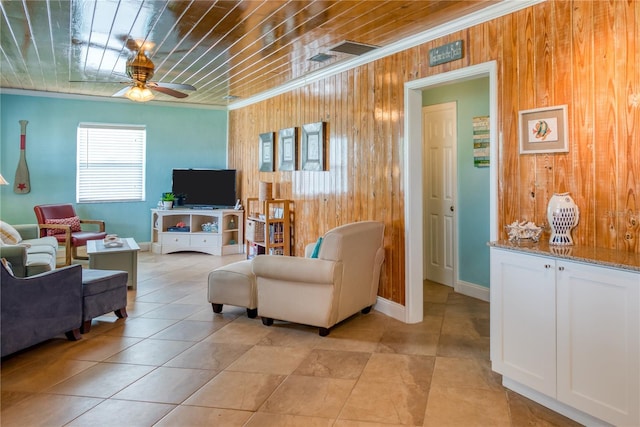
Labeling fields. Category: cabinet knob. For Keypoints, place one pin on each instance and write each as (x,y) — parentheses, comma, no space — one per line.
(561,268)
(547,266)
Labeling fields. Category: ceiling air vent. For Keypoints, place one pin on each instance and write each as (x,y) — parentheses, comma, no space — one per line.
(321,57)
(353,48)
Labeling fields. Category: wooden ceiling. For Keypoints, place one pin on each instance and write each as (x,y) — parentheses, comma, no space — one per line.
(223,48)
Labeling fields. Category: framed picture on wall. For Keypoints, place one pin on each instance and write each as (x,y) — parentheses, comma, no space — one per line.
(266,151)
(313,147)
(287,153)
(544,130)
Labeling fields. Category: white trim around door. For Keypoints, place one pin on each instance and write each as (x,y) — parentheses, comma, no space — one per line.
(413,200)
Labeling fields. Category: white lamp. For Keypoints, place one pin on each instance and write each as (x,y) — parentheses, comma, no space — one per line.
(139,94)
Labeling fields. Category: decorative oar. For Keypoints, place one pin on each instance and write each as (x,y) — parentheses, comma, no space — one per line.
(22,184)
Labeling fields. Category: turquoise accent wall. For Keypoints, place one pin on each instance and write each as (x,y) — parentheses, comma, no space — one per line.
(472,98)
(177,137)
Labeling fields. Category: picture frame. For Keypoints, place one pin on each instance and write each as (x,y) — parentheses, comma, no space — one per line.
(266,141)
(313,147)
(544,130)
(287,149)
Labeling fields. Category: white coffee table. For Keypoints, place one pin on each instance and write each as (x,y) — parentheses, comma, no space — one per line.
(120,258)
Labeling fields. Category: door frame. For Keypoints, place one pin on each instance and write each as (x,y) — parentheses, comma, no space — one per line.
(413,199)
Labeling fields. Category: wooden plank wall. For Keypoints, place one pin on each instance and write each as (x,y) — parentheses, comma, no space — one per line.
(582,53)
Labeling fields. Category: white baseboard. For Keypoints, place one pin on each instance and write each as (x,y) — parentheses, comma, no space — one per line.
(553,404)
(391,309)
(472,290)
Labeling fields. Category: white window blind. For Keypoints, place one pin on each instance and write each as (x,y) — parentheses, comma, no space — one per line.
(110,163)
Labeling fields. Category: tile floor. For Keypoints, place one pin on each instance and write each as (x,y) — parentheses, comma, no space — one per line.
(174,362)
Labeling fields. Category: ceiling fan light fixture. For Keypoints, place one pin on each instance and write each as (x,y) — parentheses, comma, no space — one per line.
(139,94)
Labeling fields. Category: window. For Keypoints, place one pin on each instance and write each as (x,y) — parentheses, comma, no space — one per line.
(110,163)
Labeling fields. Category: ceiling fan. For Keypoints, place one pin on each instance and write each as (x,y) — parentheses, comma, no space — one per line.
(140,70)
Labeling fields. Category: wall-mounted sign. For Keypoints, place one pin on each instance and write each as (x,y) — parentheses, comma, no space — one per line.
(446,53)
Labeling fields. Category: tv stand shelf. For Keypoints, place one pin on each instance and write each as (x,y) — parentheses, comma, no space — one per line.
(225,238)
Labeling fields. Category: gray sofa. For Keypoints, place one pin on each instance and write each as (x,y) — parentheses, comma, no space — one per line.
(39,307)
(33,255)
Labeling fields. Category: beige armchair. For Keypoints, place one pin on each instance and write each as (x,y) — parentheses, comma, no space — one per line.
(325,290)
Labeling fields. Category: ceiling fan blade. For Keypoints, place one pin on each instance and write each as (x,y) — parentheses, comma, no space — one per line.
(179,86)
(122,91)
(168,91)
(131,44)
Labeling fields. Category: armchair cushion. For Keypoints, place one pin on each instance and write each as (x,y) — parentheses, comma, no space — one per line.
(73,222)
(8,234)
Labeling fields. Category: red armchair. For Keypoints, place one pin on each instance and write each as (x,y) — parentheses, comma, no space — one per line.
(62,222)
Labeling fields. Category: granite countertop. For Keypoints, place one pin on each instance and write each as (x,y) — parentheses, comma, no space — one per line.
(602,256)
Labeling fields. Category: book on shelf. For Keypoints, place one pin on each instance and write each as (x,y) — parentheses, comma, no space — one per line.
(276,232)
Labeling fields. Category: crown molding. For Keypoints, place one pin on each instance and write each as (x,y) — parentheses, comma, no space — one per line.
(94,98)
(494,11)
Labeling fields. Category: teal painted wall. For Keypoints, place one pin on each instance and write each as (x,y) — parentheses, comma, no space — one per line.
(177,137)
(472,98)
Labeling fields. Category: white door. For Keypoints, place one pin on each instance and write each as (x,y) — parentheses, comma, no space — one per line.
(439,175)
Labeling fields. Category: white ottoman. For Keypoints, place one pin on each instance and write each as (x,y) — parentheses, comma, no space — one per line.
(233,284)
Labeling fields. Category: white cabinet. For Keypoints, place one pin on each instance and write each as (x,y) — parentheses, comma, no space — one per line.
(523,319)
(570,331)
(176,230)
(598,339)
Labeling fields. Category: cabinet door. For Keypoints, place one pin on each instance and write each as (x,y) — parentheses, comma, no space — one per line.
(598,334)
(523,319)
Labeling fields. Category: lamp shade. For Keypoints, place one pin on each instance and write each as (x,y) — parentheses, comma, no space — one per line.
(3,181)
(139,94)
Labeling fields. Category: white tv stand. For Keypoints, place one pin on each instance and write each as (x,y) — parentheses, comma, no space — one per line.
(225,238)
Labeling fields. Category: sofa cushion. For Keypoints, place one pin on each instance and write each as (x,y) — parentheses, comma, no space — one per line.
(41,249)
(8,234)
(73,222)
(47,242)
(39,263)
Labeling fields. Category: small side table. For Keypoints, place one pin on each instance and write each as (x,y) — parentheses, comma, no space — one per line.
(120,258)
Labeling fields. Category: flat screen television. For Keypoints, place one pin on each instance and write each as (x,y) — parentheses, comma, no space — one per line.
(205,188)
